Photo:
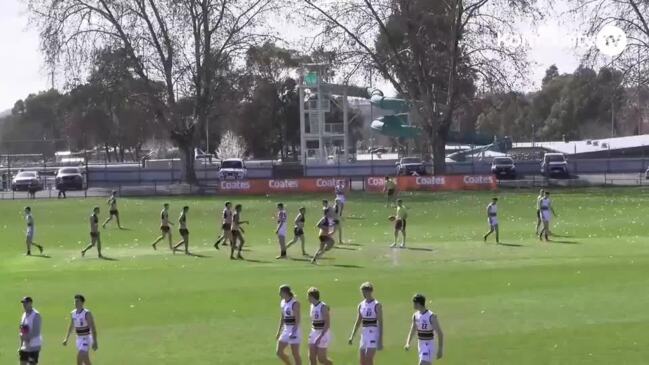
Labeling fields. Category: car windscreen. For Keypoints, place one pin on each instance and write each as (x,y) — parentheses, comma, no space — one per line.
(503,161)
(25,175)
(555,158)
(231,165)
(410,160)
(69,171)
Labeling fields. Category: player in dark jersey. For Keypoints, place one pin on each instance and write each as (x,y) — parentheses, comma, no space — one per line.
(112,202)
(237,233)
(165,230)
(226,226)
(298,231)
(326,228)
(95,239)
(184,232)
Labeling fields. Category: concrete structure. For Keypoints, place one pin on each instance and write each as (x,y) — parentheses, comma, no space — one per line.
(595,148)
(320,137)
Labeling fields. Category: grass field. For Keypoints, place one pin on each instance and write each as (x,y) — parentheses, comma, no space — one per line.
(581,300)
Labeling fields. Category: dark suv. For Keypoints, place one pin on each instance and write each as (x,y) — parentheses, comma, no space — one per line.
(503,168)
(411,166)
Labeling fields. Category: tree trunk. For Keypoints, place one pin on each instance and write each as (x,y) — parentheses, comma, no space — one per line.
(107,151)
(439,154)
(187,156)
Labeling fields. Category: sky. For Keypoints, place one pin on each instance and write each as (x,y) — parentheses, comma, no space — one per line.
(22,71)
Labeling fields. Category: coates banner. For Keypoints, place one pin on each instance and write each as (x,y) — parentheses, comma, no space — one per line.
(435,183)
(264,186)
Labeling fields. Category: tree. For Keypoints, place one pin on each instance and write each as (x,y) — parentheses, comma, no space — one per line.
(183,44)
(231,146)
(632,16)
(430,50)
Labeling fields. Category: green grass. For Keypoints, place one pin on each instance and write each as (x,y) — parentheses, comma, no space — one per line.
(580,301)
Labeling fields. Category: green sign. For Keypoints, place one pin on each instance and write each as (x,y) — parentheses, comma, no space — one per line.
(311,78)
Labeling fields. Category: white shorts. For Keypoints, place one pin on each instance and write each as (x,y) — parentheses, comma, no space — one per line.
(546,215)
(427,351)
(369,338)
(286,337)
(324,342)
(30,234)
(282,230)
(493,221)
(84,343)
(341,198)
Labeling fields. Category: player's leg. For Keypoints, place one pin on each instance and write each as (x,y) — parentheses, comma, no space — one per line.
(302,242)
(242,241)
(369,356)
(319,252)
(538,221)
(322,357)
(180,243)
(280,352)
(98,244)
(313,354)
(93,241)
(160,238)
(186,240)
(295,350)
(403,235)
(497,233)
(491,230)
(110,217)
(28,244)
(40,248)
(119,225)
(170,239)
(340,233)
(282,246)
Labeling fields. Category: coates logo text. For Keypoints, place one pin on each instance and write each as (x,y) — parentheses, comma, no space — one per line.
(478,180)
(235,185)
(328,183)
(431,180)
(375,181)
(283,184)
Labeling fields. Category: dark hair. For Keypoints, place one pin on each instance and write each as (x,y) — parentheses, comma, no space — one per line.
(186,207)
(165,204)
(286,289)
(28,208)
(302,208)
(238,206)
(81,298)
(387,177)
(228,203)
(419,299)
(314,293)
(280,205)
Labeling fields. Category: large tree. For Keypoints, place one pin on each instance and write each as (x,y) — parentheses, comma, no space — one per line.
(430,51)
(184,44)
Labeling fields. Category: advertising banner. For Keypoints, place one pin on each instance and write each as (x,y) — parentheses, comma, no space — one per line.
(435,183)
(278,186)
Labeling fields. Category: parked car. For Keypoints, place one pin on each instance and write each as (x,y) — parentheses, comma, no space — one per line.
(554,164)
(646,174)
(232,169)
(25,180)
(411,166)
(69,178)
(503,167)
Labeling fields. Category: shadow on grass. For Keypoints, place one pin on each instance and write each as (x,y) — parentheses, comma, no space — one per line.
(198,255)
(565,242)
(418,249)
(355,218)
(347,266)
(352,244)
(344,248)
(108,258)
(257,261)
(510,244)
(42,256)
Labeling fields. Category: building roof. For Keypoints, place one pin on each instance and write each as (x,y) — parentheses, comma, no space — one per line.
(589,146)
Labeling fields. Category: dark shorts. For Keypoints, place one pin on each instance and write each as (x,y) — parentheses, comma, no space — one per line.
(324,239)
(235,234)
(94,234)
(114,212)
(164,229)
(390,192)
(298,232)
(226,226)
(31,357)
(183,232)
(400,225)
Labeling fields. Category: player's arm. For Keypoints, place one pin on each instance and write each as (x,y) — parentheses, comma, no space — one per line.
(410,333)
(434,322)
(281,322)
(93,330)
(67,335)
(296,313)
(327,322)
(552,209)
(379,317)
(356,324)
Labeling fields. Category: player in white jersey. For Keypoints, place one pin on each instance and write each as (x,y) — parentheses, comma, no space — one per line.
(298,230)
(31,339)
(184,232)
(426,324)
(320,335)
(288,333)
(226,226)
(113,212)
(280,230)
(539,222)
(165,230)
(95,238)
(370,316)
(547,212)
(84,325)
(492,219)
(29,236)
(340,196)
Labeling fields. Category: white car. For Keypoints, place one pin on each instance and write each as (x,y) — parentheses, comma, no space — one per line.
(25,180)
(554,164)
(232,169)
(69,178)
